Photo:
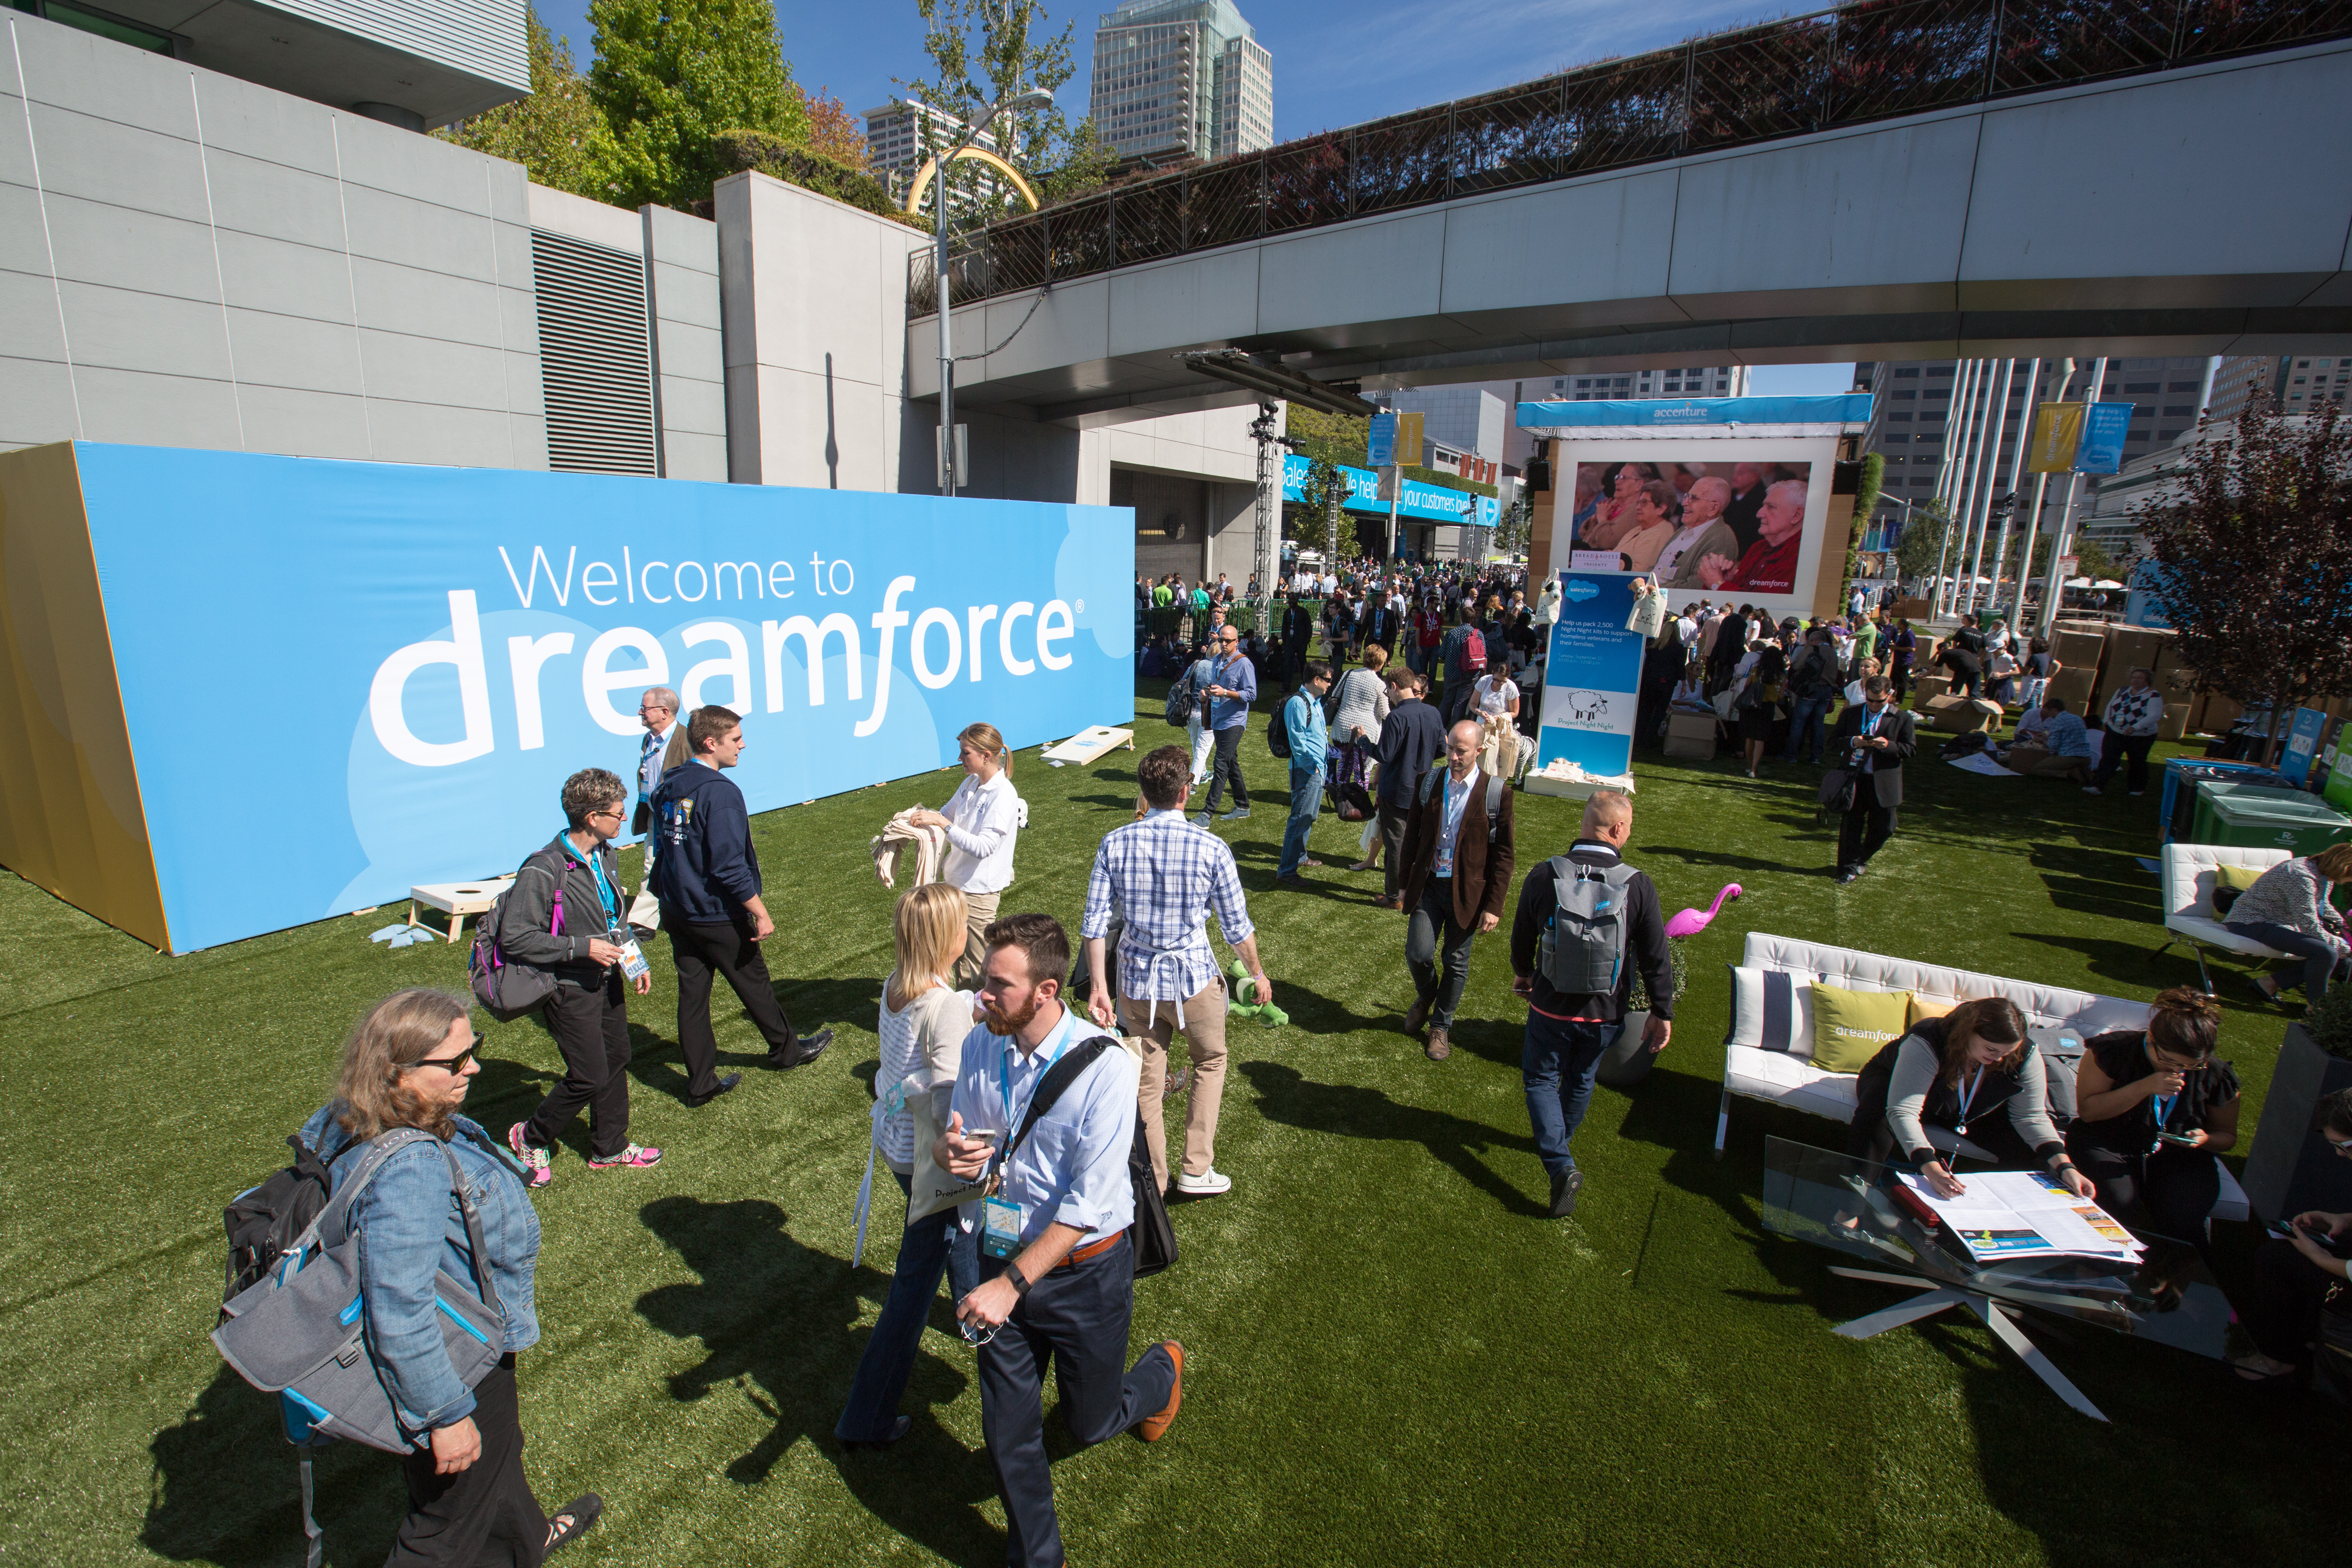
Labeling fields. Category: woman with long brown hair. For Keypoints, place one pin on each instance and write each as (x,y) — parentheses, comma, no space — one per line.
(982,818)
(2152,1109)
(407,1065)
(1973,1074)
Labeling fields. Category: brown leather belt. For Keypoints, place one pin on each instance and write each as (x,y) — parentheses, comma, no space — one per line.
(1091,1250)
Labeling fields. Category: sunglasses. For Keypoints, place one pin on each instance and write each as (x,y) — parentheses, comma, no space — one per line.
(453,1065)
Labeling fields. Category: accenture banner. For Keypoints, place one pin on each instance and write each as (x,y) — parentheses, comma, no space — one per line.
(332,681)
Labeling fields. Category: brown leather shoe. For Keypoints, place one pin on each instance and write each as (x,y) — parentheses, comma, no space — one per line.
(1388,901)
(1152,1428)
(1417,1014)
(1441,1045)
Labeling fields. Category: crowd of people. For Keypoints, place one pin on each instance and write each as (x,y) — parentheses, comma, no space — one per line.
(1029,1130)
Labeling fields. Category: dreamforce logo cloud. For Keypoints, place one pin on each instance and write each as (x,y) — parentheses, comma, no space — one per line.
(1019,629)
(1579,590)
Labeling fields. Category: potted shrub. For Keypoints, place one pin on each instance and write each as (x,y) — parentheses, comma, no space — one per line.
(2289,1169)
(1625,1063)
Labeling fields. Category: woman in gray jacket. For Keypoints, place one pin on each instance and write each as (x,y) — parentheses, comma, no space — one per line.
(586,947)
(2287,909)
(1973,1073)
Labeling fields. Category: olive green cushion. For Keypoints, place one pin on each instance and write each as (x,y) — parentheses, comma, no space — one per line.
(1852,1027)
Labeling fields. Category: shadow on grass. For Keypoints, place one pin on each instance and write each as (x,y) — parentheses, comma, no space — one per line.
(1350,1112)
(775,1320)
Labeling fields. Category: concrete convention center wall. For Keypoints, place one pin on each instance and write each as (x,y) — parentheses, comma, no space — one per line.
(188,259)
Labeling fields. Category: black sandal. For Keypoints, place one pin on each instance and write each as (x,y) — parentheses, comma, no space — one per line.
(572,1521)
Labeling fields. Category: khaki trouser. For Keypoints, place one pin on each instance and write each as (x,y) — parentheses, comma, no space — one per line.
(2035,763)
(1204,1037)
(982,908)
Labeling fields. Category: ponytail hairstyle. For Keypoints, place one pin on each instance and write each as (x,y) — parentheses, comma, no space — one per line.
(2185,1021)
(1994,1019)
(985,737)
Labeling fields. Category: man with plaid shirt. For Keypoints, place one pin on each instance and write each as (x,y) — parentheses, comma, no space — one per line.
(1162,876)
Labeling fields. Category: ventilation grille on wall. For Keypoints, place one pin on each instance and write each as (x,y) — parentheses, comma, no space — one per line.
(595,356)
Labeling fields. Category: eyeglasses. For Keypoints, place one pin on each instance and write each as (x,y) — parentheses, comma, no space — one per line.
(453,1065)
(615,813)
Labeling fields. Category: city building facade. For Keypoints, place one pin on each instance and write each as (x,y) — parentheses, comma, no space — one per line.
(1181,79)
(1679,380)
(903,134)
(189,258)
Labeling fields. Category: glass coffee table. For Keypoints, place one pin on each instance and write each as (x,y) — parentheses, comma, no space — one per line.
(1841,1203)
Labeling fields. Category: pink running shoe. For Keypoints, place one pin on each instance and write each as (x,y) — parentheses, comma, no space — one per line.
(637,1157)
(534,1161)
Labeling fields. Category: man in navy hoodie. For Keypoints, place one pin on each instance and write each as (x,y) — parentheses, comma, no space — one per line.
(707,879)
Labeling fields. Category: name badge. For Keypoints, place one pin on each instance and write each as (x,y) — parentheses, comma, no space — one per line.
(632,957)
(1000,1228)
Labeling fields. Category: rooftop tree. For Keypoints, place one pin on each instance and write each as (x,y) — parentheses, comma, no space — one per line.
(2254,560)
(671,76)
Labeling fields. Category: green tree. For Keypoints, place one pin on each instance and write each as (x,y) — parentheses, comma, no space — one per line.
(1924,536)
(982,53)
(558,134)
(671,76)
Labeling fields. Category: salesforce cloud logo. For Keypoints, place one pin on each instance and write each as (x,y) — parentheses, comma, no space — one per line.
(1579,590)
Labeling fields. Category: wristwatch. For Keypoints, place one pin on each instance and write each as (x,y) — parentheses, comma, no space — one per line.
(1020,1281)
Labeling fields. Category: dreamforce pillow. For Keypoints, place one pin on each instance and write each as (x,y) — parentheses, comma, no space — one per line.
(1773,1010)
(1852,1027)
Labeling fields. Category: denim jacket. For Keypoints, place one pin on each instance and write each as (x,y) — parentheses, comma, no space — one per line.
(409,1225)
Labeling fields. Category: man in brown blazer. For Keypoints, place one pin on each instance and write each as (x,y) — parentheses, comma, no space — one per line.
(1458,862)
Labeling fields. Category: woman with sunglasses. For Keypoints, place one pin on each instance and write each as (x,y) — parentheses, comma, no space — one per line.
(588,1012)
(2152,1109)
(2297,1275)
(409,1064)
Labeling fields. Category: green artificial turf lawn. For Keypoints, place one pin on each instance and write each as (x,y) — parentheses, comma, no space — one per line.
(1393,1356)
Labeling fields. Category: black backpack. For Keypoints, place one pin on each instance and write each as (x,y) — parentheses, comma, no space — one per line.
(1277,728)
(263,1220)
(1183,699)
(1154,1238)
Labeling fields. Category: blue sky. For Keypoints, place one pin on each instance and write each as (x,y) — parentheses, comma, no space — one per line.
(1333,65)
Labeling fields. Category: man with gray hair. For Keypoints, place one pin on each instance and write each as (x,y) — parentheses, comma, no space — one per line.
(658,711)
(1769,565)
(1703,533)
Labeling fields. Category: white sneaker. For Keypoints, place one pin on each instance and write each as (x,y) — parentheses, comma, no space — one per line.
(1208,1183)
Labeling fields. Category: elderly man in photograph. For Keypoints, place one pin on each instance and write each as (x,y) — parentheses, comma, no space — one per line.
(1769,565)
(1703,533)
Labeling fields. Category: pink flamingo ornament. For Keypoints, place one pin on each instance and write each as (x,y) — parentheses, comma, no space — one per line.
(1690,922)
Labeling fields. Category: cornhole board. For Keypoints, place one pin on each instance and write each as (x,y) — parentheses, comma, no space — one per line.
(1089,744)
(455,900)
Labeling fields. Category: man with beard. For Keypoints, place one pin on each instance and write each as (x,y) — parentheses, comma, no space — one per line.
(1058,1266)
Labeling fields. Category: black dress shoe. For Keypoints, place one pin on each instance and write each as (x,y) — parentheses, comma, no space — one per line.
(898,1429)
(811,1047)
(725,1084)
(1564,1189)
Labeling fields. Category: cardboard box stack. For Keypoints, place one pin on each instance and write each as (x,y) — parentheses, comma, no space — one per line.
(1961,716)
(1690,735)
(1926,688)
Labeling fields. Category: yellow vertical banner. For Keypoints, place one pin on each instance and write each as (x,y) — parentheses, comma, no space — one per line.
(1409,440)
(2057,431)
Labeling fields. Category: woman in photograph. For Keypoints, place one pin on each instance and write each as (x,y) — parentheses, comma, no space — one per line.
(1613,518)
(1656,511)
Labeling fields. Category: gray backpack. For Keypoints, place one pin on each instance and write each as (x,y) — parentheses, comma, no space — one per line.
(300,1331)
(1583,950)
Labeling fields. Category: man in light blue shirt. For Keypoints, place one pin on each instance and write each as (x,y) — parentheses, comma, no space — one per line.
(1058,1290)
(2064,751)
(1304,715)
(1232,686)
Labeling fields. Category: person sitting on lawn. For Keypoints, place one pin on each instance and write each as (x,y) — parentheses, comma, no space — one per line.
(2065,748)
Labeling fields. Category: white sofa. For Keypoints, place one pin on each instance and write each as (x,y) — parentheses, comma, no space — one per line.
(1783,1073)
(2189,900)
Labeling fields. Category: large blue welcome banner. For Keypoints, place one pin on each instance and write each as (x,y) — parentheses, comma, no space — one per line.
(342,679)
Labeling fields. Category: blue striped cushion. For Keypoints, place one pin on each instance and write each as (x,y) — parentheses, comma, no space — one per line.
(1773,1010)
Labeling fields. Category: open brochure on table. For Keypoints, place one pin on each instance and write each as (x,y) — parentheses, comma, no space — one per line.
(2021,1214)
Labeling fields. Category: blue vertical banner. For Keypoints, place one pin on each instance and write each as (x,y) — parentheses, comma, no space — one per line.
(2302,745)
(1592,676)
(2104,426)
(1379,443)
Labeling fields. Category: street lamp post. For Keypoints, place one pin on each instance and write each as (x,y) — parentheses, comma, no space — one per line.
(1035,98)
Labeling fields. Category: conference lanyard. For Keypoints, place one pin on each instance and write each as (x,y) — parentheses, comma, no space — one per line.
(1004,1093)
(2163,1103)
(604,891)
(1975,1081)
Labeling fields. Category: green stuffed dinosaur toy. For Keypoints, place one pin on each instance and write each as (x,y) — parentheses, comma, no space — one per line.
(1246,1003)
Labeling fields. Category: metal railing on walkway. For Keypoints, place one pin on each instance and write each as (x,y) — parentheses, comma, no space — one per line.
(1871,60)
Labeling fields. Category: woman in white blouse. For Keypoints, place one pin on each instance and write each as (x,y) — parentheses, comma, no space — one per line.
(981,819)
(923,1030)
